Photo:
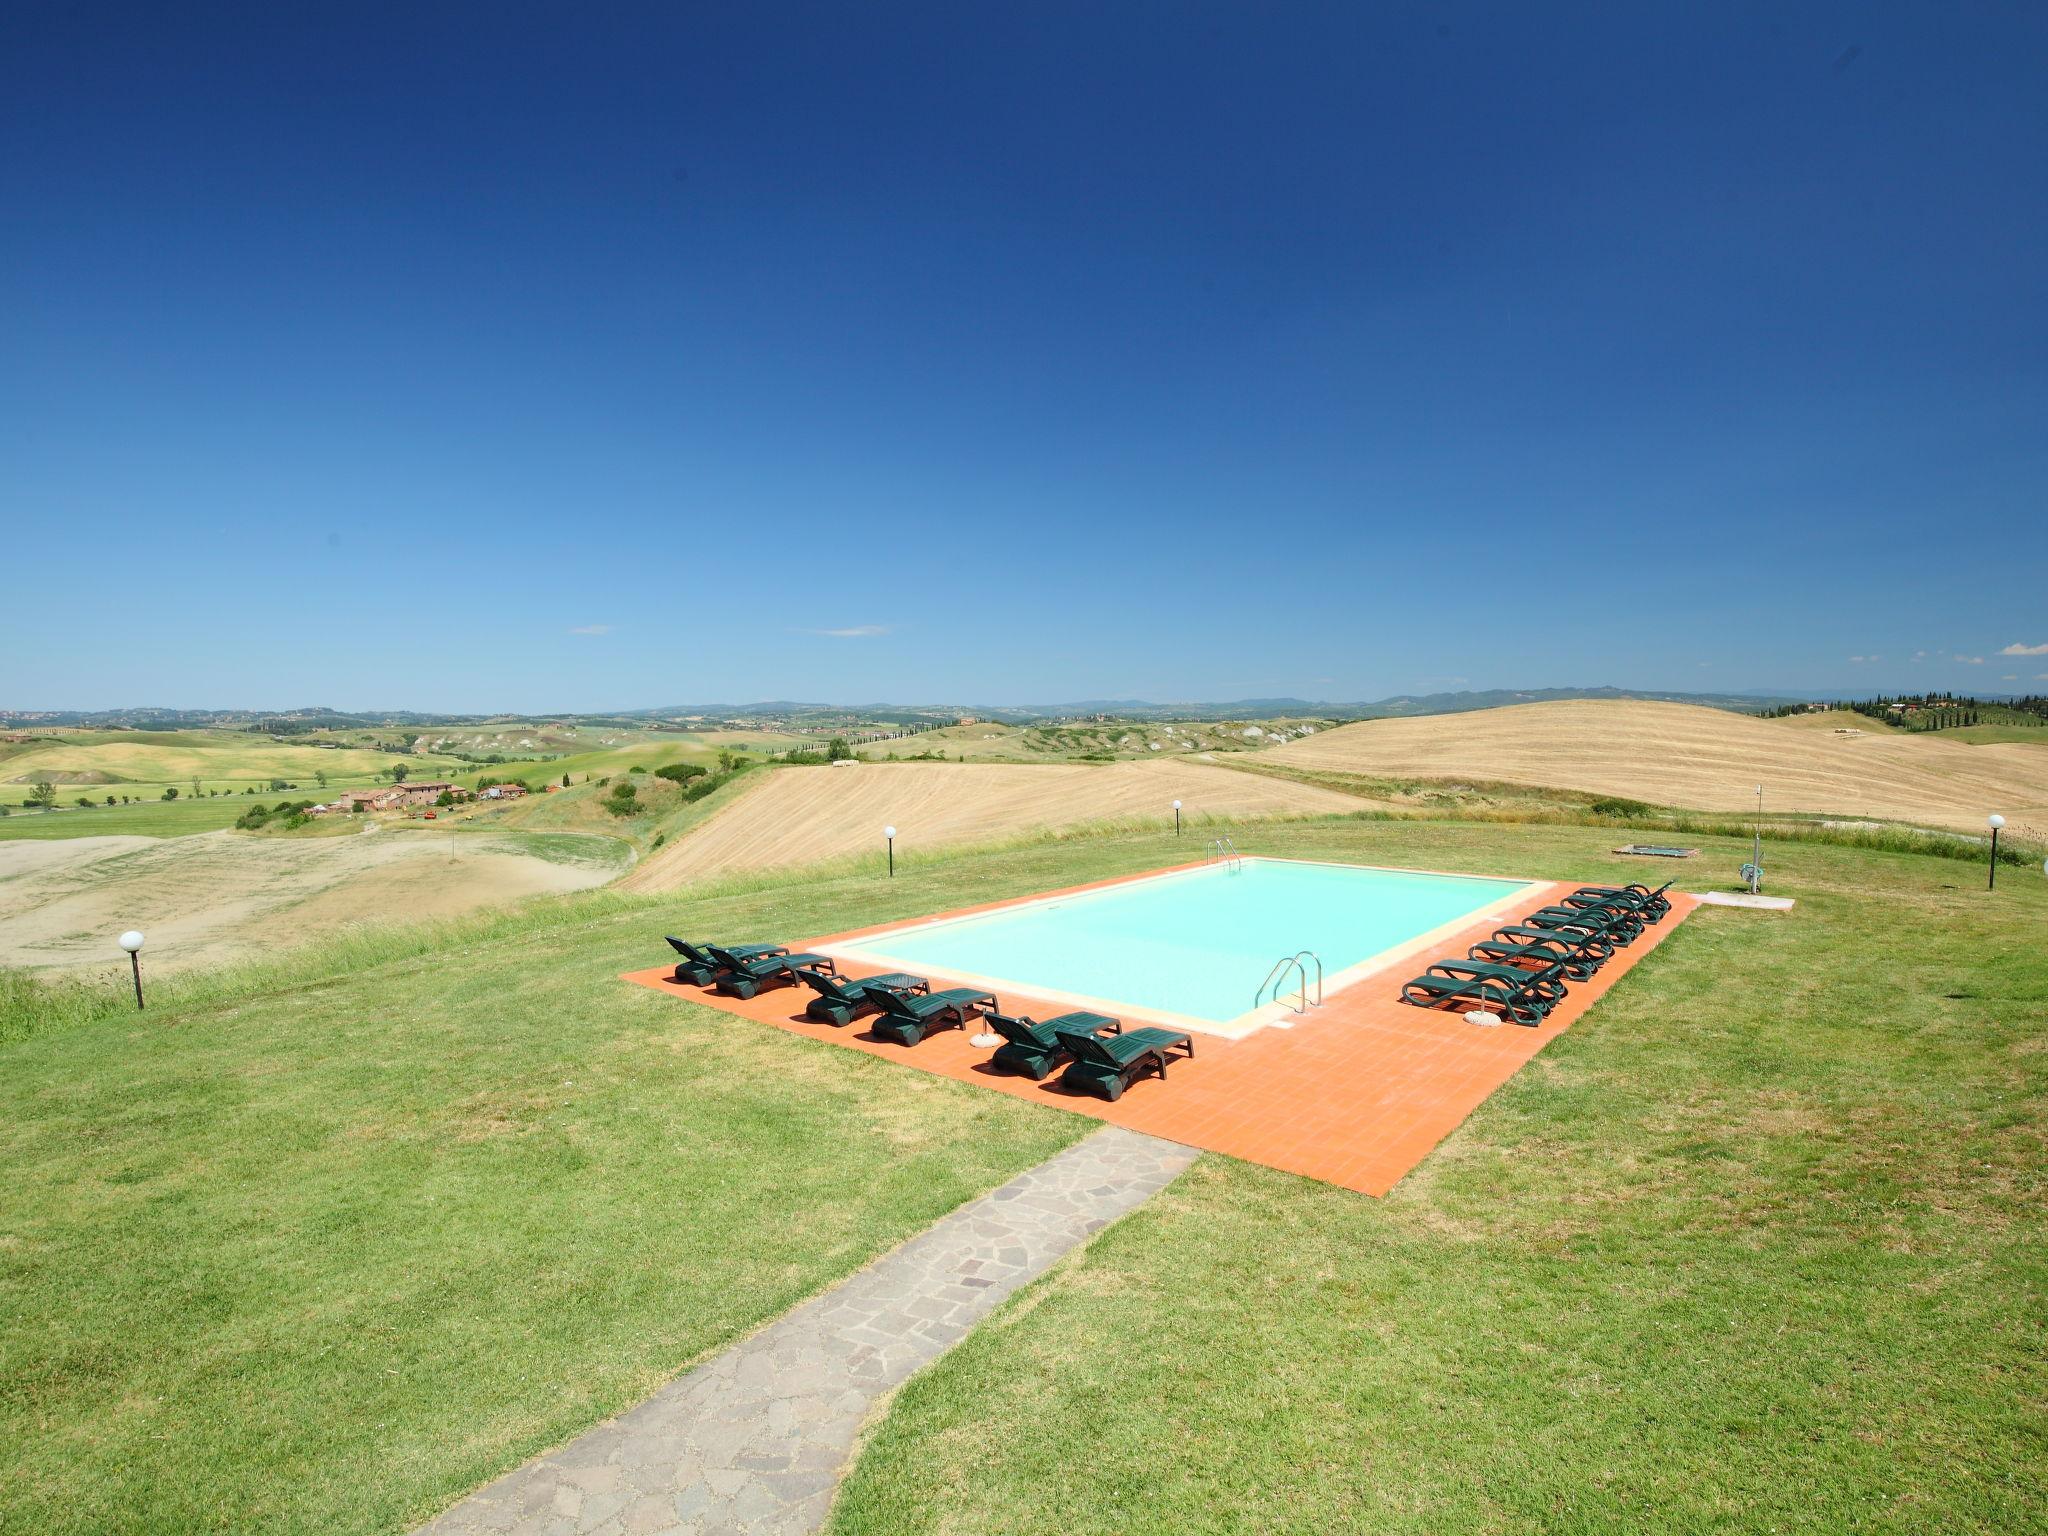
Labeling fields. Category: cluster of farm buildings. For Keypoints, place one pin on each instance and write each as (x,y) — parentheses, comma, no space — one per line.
(405,797)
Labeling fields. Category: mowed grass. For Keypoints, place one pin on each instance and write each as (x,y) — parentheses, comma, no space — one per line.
(325,1255)
(1755,1244)
(1758,1245)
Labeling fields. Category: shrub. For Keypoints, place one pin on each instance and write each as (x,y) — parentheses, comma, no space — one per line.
(636,768)
(679,773)
(170,792)
(1615,805)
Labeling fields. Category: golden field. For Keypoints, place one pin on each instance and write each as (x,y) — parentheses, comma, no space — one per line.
(1687,756)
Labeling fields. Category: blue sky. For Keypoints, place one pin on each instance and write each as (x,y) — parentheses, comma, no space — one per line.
(521,358)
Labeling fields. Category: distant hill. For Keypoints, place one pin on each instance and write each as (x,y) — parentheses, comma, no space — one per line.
(319,717)
(1400,706)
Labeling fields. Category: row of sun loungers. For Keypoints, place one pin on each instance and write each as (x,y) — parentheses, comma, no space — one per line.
(1520,973)
(1101,1056)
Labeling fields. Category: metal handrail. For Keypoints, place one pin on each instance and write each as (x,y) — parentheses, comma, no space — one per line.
(1311,954)
(1280,969)
(1222,848)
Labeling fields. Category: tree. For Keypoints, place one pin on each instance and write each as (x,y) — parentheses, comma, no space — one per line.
(43,794)
(110,799)
(445,798)
(565,781)
(320,777)
(170,791)
(195,786)
(398,773)
(837,751)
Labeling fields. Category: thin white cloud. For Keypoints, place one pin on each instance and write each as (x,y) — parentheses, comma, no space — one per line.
(1919,655)
(1866,658)
(2025,650)
(592,629)
(852,632)
(2010,677)
(1975,661)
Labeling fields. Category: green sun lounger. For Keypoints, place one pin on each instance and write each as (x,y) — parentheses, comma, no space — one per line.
(1510,1000)
(1583,938)
(1547,983)
(1106,1065)
(1609,923)
(1558,950)
(907,1020)
(700,967)
(841,1001)
(1034,1049)
(1652,905)
(745,977)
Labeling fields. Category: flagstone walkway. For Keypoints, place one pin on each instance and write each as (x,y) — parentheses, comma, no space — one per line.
(754,1441)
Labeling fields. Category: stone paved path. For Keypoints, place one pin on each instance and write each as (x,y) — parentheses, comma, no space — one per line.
(756,1440)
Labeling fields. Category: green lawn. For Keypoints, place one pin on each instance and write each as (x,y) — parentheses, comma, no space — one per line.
(145,818)
(324,1258)
(1757,1244)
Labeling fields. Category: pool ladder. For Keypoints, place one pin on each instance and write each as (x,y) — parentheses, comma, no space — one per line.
(1278,974)
(1223,850)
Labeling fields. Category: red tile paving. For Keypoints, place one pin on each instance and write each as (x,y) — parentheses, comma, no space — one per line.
(1355,1094)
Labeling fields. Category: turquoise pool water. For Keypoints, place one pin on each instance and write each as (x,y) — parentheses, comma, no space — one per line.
(1197,943)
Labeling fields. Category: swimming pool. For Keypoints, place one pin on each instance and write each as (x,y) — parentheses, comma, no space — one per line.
(1191,947)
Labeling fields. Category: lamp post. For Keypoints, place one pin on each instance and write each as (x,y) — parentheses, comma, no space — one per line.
(1756,846)
(1995,822)
(132,942)
(1176,818)
(890,834)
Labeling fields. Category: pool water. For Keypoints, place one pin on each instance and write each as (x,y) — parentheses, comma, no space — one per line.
(1193,944)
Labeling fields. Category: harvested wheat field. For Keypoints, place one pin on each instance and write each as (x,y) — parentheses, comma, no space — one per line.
(1699,759)
(802,815)
(222,896)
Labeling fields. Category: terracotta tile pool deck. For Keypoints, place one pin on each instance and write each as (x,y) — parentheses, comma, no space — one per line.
(1356,1093)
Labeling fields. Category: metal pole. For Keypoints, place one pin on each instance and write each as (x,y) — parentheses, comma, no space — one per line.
(1176,821)
(892,858)
(1992,883)
(1756,845)
(135,962)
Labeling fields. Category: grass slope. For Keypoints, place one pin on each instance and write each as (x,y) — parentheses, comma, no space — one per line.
(146,818)
(316,1248)
(321,1254)
(1757,1246)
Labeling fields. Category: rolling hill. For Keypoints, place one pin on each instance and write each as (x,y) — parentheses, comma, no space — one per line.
(1699,759)
(801,815)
